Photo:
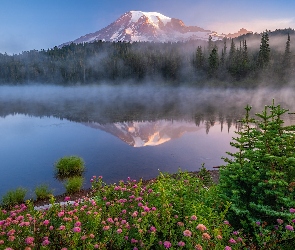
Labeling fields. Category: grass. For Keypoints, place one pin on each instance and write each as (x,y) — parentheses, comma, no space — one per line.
(42,192)
(170,212)
(14,197)
(74,184)
(69,166)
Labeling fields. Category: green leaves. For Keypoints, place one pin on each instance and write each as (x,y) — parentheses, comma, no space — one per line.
(257,179)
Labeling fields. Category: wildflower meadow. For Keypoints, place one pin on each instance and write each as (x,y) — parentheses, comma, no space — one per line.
(180,211)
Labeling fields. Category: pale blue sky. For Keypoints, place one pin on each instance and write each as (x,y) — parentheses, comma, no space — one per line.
(42,24)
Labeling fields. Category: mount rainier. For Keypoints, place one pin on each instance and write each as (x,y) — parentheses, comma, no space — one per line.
(147,27)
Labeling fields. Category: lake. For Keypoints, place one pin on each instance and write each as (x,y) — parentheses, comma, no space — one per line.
(120,132)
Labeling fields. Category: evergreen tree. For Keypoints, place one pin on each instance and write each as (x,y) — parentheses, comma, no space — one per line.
(287,55)
(264,52)
(231,61)
(223,53)
(199,60)
(213,62)
(210,44)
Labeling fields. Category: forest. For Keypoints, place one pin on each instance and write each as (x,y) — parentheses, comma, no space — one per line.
(246,61)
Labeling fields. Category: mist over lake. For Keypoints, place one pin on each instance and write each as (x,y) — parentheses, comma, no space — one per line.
(120,131)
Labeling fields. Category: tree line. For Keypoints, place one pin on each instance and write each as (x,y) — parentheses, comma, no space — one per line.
(227,62)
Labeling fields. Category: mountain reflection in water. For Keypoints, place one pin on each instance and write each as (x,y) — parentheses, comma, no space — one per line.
(185,126)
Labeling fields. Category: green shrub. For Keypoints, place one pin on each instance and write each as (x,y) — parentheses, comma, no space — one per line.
(43,192)
(74,184)
(69,166)
(259,177)
(14,197)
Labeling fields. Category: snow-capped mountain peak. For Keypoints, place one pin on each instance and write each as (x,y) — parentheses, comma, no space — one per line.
(147,27)
(154,18)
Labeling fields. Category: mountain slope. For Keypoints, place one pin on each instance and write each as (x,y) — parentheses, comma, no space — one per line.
(147,26)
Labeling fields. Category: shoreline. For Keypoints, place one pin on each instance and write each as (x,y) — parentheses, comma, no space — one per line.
(88,192)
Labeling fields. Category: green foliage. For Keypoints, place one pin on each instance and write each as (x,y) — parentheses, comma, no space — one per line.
(213,61)
(182,62)
(14,197)
(264,52)
(205,176)
(43,192)
(260,176)
(172,211)
(69,166)
(74,184)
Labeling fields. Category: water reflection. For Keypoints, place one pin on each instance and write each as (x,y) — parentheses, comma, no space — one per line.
(185,127)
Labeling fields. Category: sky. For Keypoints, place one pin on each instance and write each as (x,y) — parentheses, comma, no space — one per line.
(41,24)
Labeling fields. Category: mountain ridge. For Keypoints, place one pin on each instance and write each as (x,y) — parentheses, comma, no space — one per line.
(139,26)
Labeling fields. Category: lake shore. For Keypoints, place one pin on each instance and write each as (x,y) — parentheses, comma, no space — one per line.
(88,192)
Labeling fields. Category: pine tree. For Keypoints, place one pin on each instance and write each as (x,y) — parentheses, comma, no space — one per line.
(213,62)
(264,52)
(223,53)
(287,55)
(199,60)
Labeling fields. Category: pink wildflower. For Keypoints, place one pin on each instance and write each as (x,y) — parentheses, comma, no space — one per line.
(105,228)
(134,241)
(76,229)
(239,239)
(110,220)
(198,247)
(167,244)
(29,240)
(201,227)
(84,237)
(280,221)
(232,241)
(227,248)
(206,236)
(180,224)
(193,217)
(289,227)
(45,242)
(78,224)
(187,233)
(119,230)
(60,214)
(181,244)
(11,238)
(67,198)
(292,210)
(62,227)
(46,222)
(153,229)
(135,213)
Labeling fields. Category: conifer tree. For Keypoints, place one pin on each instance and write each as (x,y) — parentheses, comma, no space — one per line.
(287,55)
(264,52)
(213,62)
(199,61)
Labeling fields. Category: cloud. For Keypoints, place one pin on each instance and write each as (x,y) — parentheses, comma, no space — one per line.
(257,25)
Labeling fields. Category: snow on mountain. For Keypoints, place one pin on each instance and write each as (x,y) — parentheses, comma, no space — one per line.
(147,26)
(140,134)
(239,33)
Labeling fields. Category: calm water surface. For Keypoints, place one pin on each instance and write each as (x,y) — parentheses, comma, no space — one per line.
(119,132)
